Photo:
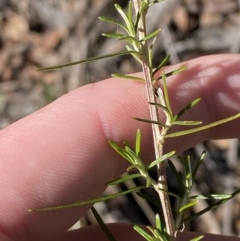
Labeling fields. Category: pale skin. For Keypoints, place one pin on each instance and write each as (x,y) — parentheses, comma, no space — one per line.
(60,154)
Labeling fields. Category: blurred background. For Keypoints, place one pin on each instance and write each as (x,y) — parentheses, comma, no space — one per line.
(40,33)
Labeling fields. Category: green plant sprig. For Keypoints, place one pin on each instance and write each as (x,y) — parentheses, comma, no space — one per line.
(140,45)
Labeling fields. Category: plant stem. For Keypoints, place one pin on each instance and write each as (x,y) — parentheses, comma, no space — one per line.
(157,135)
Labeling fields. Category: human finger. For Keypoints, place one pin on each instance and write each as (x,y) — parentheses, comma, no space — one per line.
(60,154)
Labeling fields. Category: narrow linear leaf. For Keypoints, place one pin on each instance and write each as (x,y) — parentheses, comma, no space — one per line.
(137,22)
(160,106)
(178,177)
(152,44)
(130,12)
(89,60)
(123,179)
(211,207)
(160,228)
(165,92)
(138,143)
(143,233)
(158,222)
(185,109)
(198,164)
(136,55)
(150,54)
(184,162)
(160,159)
(126,143)
(163,63)
(88,202)
(198,238)
(177,71)
(151,35)
(188,170)
(155,233)
(150,121)
(103,225)
(128,22)
(216,123)
(130,39)
(188,205)
(212,196)
(131,77)
(169,193)
(122,152)
(114,35)
(149,198)
(136,166)
(112,20)
(159,235)
(187,123)
(133,155)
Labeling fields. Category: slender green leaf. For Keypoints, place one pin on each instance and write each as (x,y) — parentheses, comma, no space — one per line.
(150,121)
(134,156)
(158,234)
(143,233)
(128,22)
(114,21)
(137,22)
(198,164)
(165,91)
(160,159)
(103,226)
(177,71)
(185,109)
(151,35)
(216,123)
(89,60)
(212,196)
(183,161)
(138,167)
(122,152)
(126,143)
(198,238)
(160,106)
(155,233)
(88,202)
(138,143)
(188,205)
(149,198)
(130,12)
(170,193)
(114,35)
(124,76)
(189,181)
(158,222)
(136,55)
(187,123)
(211,207)
(150,54)
(152,44)
(130,39)
(163,63)
(123,179)
(178,177)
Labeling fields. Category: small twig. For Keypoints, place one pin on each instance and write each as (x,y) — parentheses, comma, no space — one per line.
(157,136)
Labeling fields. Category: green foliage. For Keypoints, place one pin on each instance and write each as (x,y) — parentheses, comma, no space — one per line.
(140,45)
